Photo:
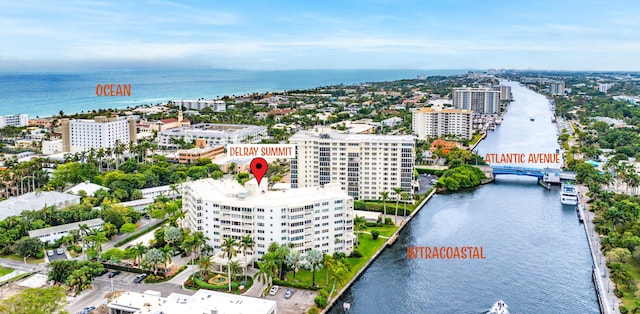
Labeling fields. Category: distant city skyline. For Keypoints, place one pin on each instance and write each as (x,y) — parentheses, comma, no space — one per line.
(286,35)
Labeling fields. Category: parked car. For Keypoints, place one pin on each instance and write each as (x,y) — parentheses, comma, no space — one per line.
(60,251)
(114,273)
(50,252)
(140,278)
(288,293)
(274,290)
(102,272)
(88,310)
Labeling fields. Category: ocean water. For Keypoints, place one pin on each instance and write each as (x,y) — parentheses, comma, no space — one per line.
(46,94)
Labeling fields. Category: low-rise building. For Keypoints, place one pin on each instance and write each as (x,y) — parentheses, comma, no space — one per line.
(54,233)
(189,156)
(17,120)
(88,187)
(305,218)
(15,205)
(215,105)
(202,301)
(213,134)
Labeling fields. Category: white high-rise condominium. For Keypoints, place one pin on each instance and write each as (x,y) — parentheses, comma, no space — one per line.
(17,120)
(364,164)
(309,218)
(478,100)
(437,122)
(103,132)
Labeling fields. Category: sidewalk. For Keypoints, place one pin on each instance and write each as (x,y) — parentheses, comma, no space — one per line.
(11,275)
(610,303)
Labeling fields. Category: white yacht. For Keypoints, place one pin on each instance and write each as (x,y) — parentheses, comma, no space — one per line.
(568,194)
(499,308)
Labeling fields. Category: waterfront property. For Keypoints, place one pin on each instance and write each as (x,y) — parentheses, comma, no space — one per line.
(478,100)
(438,122)
(307,218)
(364,164)
(56,232)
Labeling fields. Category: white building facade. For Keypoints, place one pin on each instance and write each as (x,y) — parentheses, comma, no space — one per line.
(214,134)
(17,120)
(308,218)
(478,100)
(436,122)
(556,88)
(103,132)
(215,105)
(363,164)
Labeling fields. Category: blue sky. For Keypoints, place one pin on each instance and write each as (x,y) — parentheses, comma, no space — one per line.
(377,34)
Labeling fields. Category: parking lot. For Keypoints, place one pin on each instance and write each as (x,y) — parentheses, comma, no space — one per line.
(123,278)
(56,256)
(425,182)
(300,301)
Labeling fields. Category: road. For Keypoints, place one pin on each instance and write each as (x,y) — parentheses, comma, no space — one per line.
(144,223)
(9,263)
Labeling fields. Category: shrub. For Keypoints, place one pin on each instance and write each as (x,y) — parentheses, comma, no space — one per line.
(320,301)
(375,234)
(623,309)
(388,221)
(313,310)
(293,284)
(359,205)
(189,284)
(356,254)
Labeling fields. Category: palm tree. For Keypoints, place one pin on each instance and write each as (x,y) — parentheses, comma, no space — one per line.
(359,223)
(338,274)
(246,244)
(266,271)
(167,253)
(137,251)
(235,268)
(199,239)
(397,190)
(205,266)
(328,263)
(314,263)
(385,196)
(405,198)
(294,260)
(229,245)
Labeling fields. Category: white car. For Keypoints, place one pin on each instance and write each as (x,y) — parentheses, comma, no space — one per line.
(50,252)
(60,251)
(274,290)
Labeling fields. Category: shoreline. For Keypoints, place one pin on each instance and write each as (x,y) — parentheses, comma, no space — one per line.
(387,244)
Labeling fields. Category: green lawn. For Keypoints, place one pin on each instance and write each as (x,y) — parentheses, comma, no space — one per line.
(475,139)
(367,247)
(5,271)
(384,230)
(30,260)
(628,298)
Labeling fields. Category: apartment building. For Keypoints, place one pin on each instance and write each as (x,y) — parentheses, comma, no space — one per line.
(215,105)
(363,164)
(102,132)
(306,218)
(213,134)
(478,100)
(556,88)
(438,122)
(17,120)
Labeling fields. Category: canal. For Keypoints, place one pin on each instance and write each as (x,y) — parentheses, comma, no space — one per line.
(537,256)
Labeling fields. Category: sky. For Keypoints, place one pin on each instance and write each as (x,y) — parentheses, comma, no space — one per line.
(348,34)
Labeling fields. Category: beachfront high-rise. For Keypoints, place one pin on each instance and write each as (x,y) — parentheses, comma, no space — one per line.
(478,100)
(102,132)
(17,120)
(438,122)
(307,218)
(363,164)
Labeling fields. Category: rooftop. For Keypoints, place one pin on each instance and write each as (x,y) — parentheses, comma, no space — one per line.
(251,195)
(207,301)
(33,201)
(67,227)
(204,129)
(327,134)
(428,110)
(88,187)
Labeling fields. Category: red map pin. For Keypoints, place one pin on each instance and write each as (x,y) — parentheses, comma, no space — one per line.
(258,168)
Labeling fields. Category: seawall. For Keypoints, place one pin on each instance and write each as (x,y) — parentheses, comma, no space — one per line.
(388,243)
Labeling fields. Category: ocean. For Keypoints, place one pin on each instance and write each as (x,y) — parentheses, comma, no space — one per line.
(46,94)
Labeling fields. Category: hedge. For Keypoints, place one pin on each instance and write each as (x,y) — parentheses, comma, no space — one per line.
(234,284)
(125,268)
(139,234)
(435,172)
(160,278)
(294,285)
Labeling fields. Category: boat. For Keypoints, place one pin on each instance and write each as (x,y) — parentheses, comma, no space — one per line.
(498,121)
(532,118)
(568,194)
(499,308)
(553,119)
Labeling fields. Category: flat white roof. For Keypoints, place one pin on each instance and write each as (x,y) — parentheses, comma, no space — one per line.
(204,301)
(67,227)
(30,201)
(88,187)
(230,191)
(335,136)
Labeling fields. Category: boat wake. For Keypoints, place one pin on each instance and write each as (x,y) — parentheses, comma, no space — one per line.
(499,308)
